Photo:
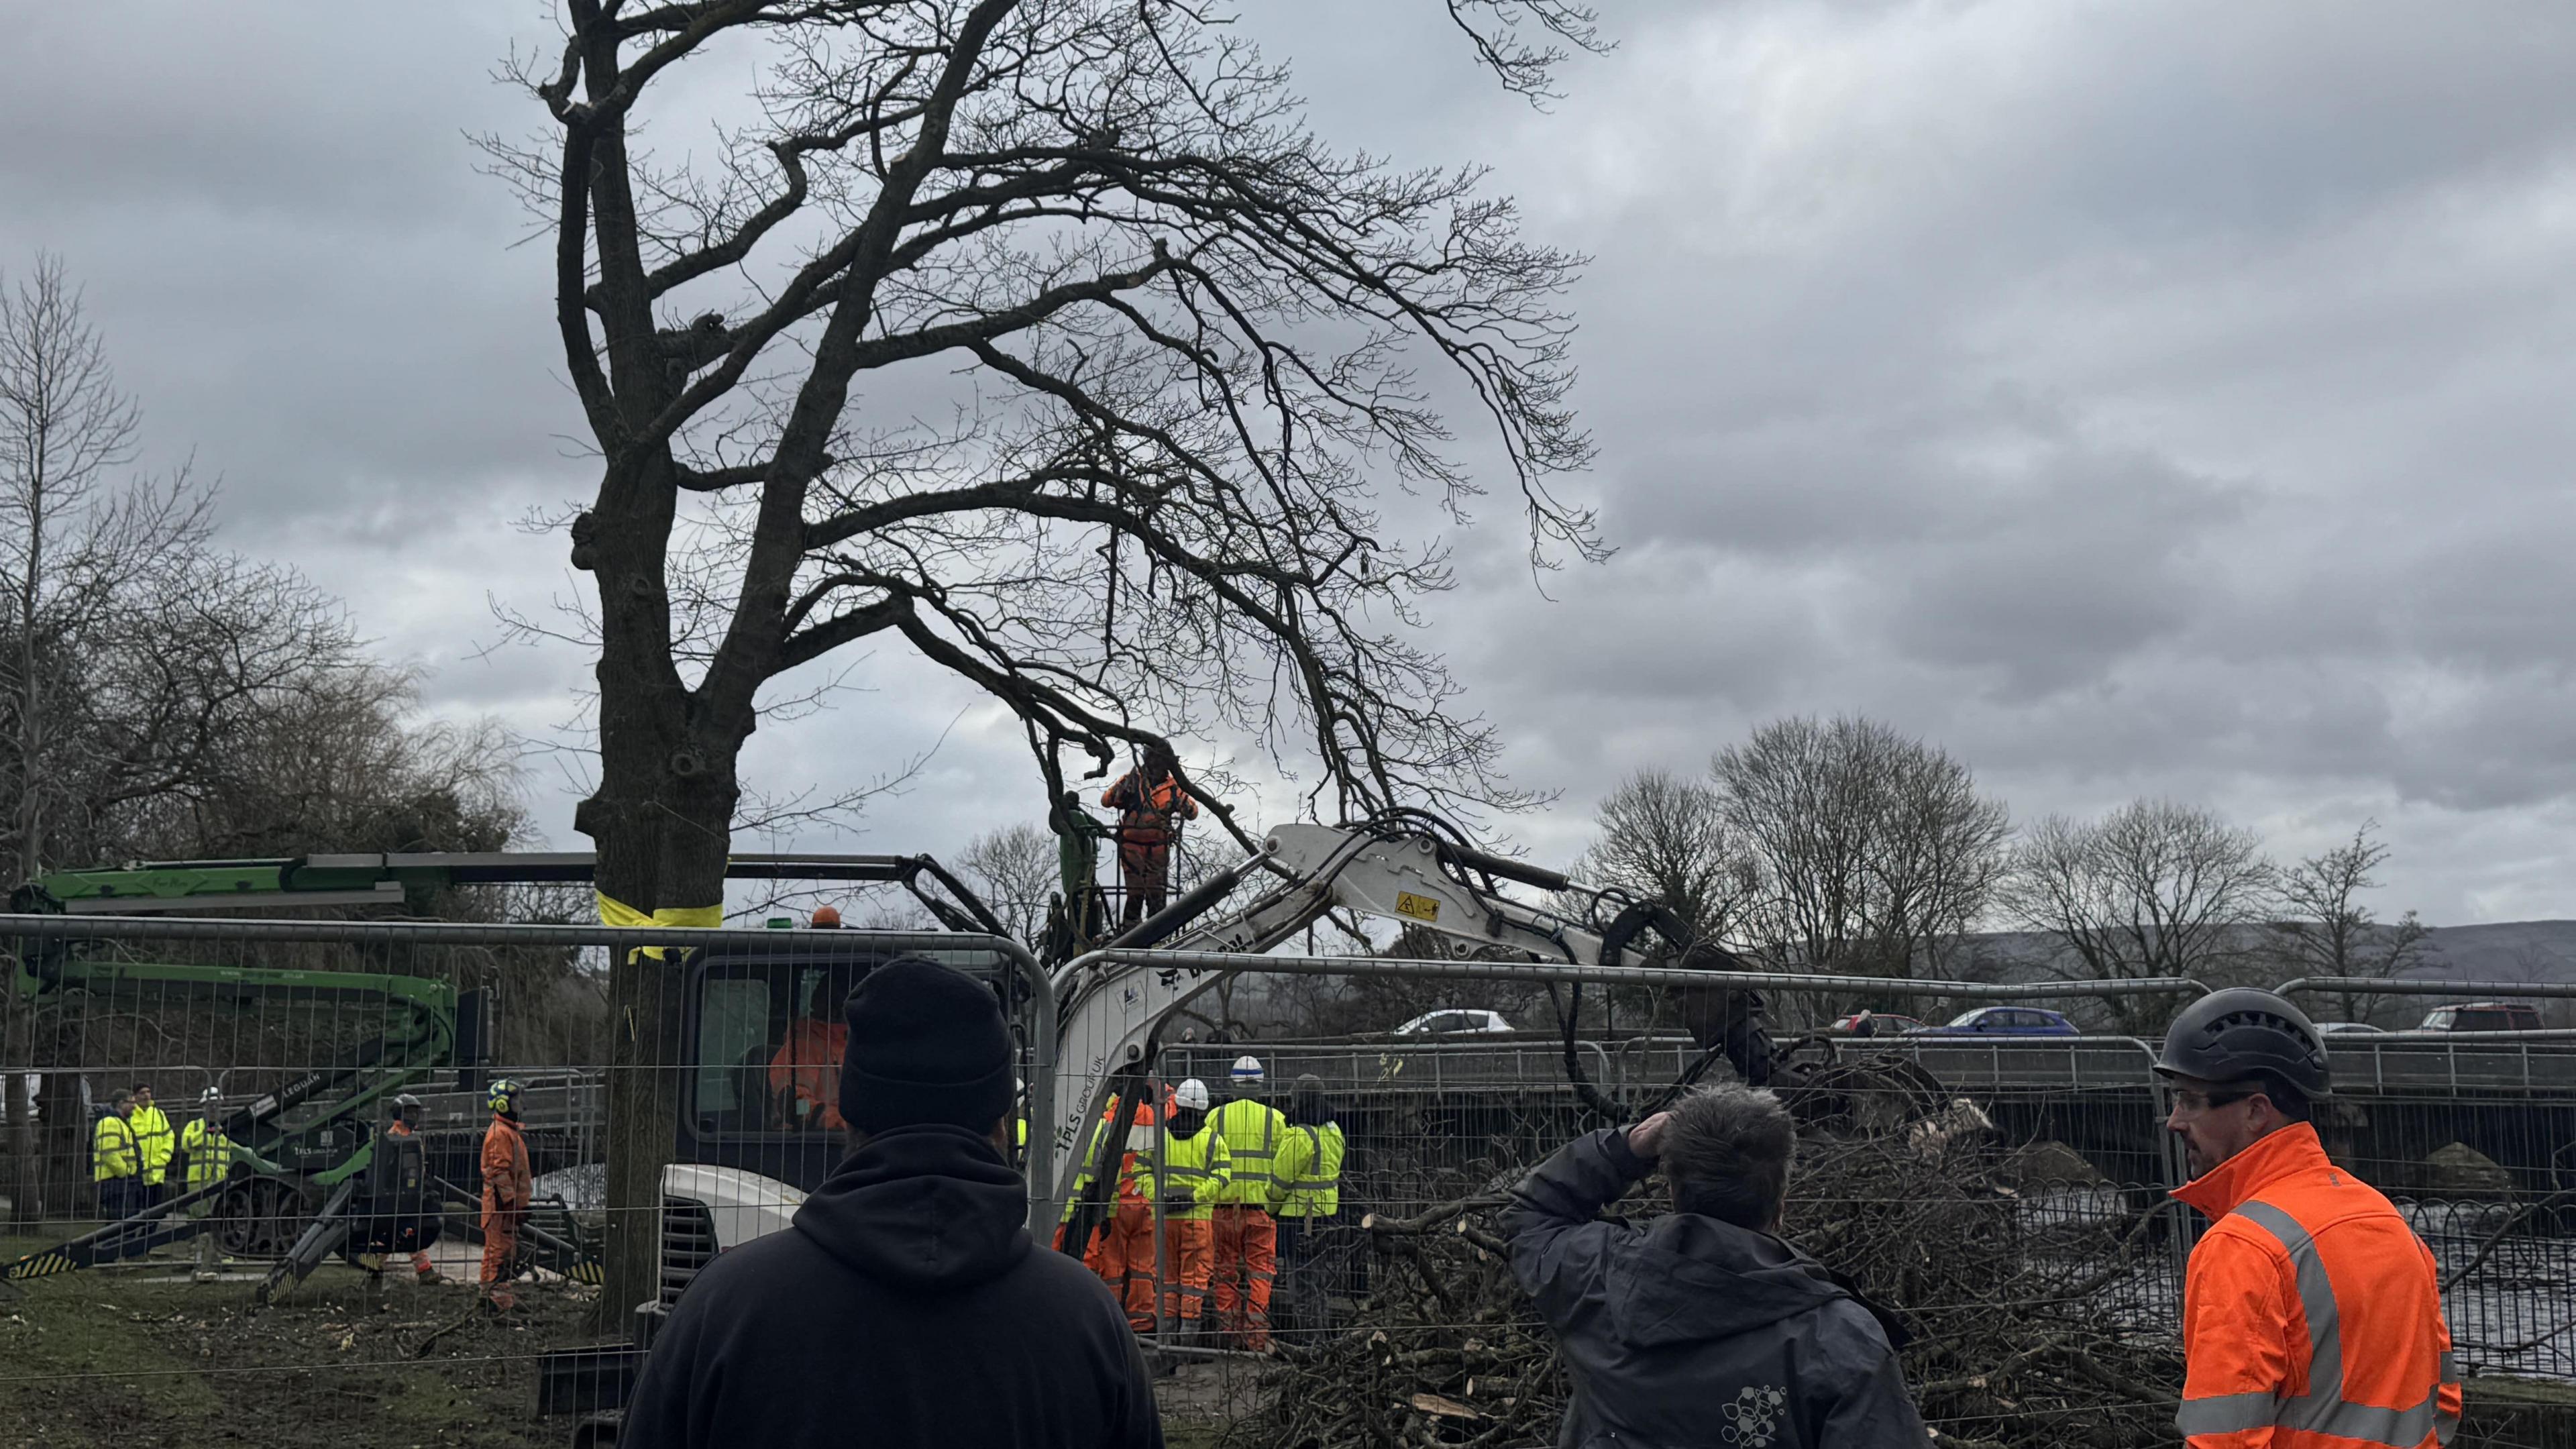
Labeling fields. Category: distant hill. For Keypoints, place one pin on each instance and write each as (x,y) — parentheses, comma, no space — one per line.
(2506,951)
(2518,951)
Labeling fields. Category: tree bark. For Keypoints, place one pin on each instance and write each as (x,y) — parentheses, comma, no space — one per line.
(17,1053)
(17,1033)
(661,821)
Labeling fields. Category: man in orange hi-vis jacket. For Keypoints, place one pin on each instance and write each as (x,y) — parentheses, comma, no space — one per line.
(2312,1314)
(805,1074)
(506,1187)
(1122,1251)
(1151,805)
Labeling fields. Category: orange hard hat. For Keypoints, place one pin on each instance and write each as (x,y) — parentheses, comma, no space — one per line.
(827,916)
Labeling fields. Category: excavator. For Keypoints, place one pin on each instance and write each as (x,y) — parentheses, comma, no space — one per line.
(1112,1004)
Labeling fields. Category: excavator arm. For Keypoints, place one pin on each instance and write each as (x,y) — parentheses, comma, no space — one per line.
(1111,1011)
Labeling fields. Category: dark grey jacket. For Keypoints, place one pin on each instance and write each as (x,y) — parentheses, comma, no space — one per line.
(1687,1331)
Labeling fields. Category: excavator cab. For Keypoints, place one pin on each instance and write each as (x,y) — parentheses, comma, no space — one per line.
(764,1032)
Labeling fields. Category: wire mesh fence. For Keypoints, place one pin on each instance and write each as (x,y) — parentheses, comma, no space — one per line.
(2007,1196)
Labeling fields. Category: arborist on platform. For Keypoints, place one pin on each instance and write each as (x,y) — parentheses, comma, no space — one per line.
(1151,805)
(2312,1314)
(1077,859)
(1246,1237)
(507,1187)
(1305,1196)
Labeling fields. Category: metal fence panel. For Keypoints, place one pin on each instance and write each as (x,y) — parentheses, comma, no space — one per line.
(2007,1196)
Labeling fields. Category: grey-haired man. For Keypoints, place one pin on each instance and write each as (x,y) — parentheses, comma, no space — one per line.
(1700,1327)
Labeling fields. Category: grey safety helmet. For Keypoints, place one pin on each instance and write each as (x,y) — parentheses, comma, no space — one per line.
(2248,1036)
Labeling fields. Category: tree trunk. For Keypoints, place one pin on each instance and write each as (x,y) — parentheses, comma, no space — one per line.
(17,1054)
(661,820)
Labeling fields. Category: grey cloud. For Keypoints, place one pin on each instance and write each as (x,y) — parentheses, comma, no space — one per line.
(2163,400)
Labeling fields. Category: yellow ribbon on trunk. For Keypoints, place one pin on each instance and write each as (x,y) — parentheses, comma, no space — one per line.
(614,912)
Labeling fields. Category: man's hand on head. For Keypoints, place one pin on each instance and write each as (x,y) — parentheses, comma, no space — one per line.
(1646,1139)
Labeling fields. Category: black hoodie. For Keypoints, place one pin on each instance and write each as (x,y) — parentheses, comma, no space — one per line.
(905,1306)
(1687,1330)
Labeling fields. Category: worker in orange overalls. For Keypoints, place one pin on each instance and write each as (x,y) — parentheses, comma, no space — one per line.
(1194,1171)
(1122,1251)
(1246,1237)
(2311,1313)
(805,1075)
(1151,806)
(406,1111)
(506,1187)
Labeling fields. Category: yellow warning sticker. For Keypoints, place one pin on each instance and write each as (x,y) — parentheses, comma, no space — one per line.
(1420,908)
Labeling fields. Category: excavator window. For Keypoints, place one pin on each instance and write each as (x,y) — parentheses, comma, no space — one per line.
(734,1046)
(765,1034)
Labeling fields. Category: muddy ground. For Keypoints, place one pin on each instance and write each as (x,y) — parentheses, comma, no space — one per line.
(137,1356)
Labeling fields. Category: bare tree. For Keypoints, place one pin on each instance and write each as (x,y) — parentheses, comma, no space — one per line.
(2324,928)
(2155,888)
(1015,870)
(73,538)
(1179,334)
(162,699)
(76,540)
(1666,839)
(1876,850)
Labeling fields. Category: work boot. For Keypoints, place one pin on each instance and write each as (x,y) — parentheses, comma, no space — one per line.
(425,1275)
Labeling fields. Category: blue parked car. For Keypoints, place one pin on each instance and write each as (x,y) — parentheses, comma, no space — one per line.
(2002,1021)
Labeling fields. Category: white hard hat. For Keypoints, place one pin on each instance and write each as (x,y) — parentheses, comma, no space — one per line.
(1191,1096)
(1247,1069)
(209,1096)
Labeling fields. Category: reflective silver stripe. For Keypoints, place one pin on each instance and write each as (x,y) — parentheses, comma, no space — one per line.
(2323,1409)
(2316,1298)
(2225,1414)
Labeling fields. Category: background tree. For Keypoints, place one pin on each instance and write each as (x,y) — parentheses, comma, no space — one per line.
(163,699)
(1014,869)
(1186,331)
(1876,851)
(81,545)
(1664,838)
(2155,888)
(2324,928)
(74,538)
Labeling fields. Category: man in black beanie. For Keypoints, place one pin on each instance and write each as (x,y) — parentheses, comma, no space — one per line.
(906,1305)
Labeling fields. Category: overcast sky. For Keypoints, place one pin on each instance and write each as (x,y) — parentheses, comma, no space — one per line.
(2160,398)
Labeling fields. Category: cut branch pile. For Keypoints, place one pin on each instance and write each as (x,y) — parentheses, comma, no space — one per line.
(2033,1322)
